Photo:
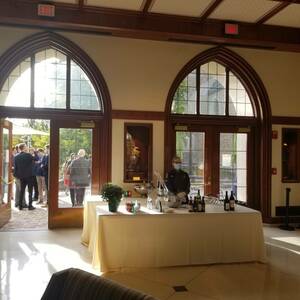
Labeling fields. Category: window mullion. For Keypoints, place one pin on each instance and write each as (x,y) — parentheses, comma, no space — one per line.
(227,93)
(68,85)
(32,78)
(198,89)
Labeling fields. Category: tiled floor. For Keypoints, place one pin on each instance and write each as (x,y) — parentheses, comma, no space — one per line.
(29,258)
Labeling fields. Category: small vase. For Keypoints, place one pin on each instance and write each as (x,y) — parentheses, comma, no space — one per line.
(113,206)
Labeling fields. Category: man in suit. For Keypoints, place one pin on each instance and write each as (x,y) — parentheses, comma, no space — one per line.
(23,171)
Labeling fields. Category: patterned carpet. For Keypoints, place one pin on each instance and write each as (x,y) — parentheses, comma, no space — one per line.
(27,219)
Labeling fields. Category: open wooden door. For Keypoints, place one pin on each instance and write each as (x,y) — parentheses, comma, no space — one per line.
(6,178)
(67,139)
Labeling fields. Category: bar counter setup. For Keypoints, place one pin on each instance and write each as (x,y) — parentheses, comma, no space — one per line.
(148,239)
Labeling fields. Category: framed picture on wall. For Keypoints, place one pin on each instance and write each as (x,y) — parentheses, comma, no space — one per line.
(137,152)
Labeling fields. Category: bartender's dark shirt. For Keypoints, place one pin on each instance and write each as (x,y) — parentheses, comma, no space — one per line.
(178,181)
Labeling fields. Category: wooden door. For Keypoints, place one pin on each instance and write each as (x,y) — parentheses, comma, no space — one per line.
(6,178)
(67,139)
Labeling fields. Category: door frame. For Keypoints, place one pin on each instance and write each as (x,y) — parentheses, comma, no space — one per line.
(73,216)
(212,156)
(5,209)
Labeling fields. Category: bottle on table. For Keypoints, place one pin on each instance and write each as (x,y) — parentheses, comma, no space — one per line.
(202,205)
(226,202)
(231,201)
(191,204)
(197,200)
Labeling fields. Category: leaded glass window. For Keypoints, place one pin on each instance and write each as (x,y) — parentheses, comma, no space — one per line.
(212,89)
(49,79)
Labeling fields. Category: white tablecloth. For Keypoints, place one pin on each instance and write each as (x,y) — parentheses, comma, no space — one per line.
(89,218)
(152,239)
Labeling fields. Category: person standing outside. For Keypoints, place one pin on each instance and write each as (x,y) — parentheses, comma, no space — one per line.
(23,170)
(80,172)
(40,178)
(17,181)
(45,169)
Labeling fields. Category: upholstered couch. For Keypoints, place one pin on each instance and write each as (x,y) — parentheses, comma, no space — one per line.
(75,284)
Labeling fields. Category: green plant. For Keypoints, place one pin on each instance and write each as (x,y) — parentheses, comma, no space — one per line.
(111,192)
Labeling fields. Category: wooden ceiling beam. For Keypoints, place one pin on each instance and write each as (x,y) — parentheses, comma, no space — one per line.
(150,26)
(146,5)
(81,4)
(271,13)
(288,1)
(209,10)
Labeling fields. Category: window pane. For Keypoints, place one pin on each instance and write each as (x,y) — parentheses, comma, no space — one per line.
(16,89)
(184,101)
(212,89)
(83,94)
(239,101)
(233,164)
(190,147)
(50,79)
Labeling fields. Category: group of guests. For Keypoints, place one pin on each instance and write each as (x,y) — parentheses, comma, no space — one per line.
(30,169)
(77,173)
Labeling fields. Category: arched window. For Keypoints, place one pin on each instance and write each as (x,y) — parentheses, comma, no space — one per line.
(219,123)
(49,79)
(212,89)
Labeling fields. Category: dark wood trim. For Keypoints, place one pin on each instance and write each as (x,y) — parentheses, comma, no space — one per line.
(81,4)
(274,11)
(136,24)
(210,9)
(147,5)
(282,120)
(138,115)
(289,1)
(262,108)
(44,113)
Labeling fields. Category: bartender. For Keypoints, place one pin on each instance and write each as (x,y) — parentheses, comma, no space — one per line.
(178,181)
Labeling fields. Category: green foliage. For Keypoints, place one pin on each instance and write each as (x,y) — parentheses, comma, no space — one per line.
(73,139)
(111,192)
(179,99)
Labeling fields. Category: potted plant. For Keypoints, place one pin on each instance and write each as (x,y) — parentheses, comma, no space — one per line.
(112,193)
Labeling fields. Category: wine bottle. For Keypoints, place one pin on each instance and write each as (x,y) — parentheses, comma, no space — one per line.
(191,204)
(196,202)
(202,205)
(231,201)
(226,202)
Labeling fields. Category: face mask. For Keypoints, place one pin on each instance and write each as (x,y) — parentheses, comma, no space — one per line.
(177,166)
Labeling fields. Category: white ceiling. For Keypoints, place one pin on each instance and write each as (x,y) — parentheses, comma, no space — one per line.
(234,10)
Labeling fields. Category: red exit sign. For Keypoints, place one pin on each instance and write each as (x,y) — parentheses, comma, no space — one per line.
(232,29)
(46,10)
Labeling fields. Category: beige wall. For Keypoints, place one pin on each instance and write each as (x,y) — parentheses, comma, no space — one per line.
(139,74)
